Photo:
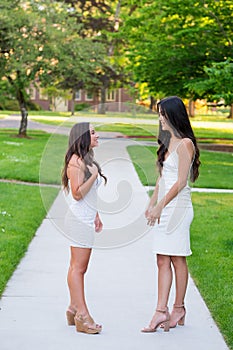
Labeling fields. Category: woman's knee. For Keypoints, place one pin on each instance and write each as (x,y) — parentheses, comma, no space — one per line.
(178,261)
(163,261)
(79,260)
(78,267)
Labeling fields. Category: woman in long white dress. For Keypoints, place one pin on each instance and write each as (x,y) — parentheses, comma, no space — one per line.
(170,209)
(81,178)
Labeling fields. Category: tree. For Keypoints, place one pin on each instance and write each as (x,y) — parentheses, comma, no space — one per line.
(80,60)
(28,47)
(217,85)
(98,22)
(169,42)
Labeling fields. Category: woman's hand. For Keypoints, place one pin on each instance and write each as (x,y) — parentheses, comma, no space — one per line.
(93,170)
(147,212)
(154,214)
(98,224)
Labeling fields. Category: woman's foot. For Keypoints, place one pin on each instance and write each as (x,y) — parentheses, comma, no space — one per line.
(177,316)
(160,317)
(86,324)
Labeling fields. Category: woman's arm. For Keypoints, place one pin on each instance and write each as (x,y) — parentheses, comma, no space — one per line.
(76,174)
(185,153)
(153,198)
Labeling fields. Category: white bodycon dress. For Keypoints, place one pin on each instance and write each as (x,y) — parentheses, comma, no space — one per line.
(79,220)
(172,234)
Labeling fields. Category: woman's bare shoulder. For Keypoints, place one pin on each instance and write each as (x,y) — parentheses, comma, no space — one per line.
(76,161)
(186,146)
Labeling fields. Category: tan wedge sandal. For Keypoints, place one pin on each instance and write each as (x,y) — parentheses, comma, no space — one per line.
(70,314)
(86,324)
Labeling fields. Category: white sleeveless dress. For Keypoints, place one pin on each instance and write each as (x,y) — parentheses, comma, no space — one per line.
(79,220)
(172,234)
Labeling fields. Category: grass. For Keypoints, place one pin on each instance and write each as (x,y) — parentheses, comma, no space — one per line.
(202,132)
(213,166)
(21,213)
(34,159)
(36,113)
(211,264)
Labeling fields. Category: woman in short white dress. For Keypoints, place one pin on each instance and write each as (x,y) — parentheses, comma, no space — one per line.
(81,178)
(170,209)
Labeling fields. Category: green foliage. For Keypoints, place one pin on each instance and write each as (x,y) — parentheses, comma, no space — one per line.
(170,42)
(55,95)
(217,84)
(10,105)
(32,106)
(81,106)
(29,44)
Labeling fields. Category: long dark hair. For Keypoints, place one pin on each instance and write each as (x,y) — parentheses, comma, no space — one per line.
(174,111)
(79,144)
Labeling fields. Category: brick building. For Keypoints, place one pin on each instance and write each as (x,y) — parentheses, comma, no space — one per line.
(116,100)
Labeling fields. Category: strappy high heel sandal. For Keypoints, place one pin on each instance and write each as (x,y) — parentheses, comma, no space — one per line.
(86,324)
(70,314)
(181,319)
(165,323)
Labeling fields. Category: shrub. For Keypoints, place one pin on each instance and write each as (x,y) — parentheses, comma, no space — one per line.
(32,106)
(10,105)
(81,106)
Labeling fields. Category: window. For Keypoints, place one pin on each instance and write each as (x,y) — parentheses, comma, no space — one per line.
(31,92)
(43,95)
(110,95)
(89,96)
(78,95)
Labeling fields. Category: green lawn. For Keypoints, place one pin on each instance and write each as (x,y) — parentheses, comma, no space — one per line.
(216,169)
(204,133)
(21,213)
(213,133)
(36,113)
(211,264)
(35,159)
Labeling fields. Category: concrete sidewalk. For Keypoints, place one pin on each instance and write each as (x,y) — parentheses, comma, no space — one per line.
(120,283)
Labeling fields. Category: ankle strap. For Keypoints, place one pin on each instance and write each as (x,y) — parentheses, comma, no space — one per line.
(163,311)
(178,306)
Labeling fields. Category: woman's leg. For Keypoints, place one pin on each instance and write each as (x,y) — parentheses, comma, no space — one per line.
(164,285)
(78,266)
(164,280)
(181,278)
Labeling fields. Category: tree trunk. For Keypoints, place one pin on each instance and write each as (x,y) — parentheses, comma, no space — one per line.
(24,122)
(191,110)
(72,102)
(102,109)
(152,103)
(24,114)
(231,111)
